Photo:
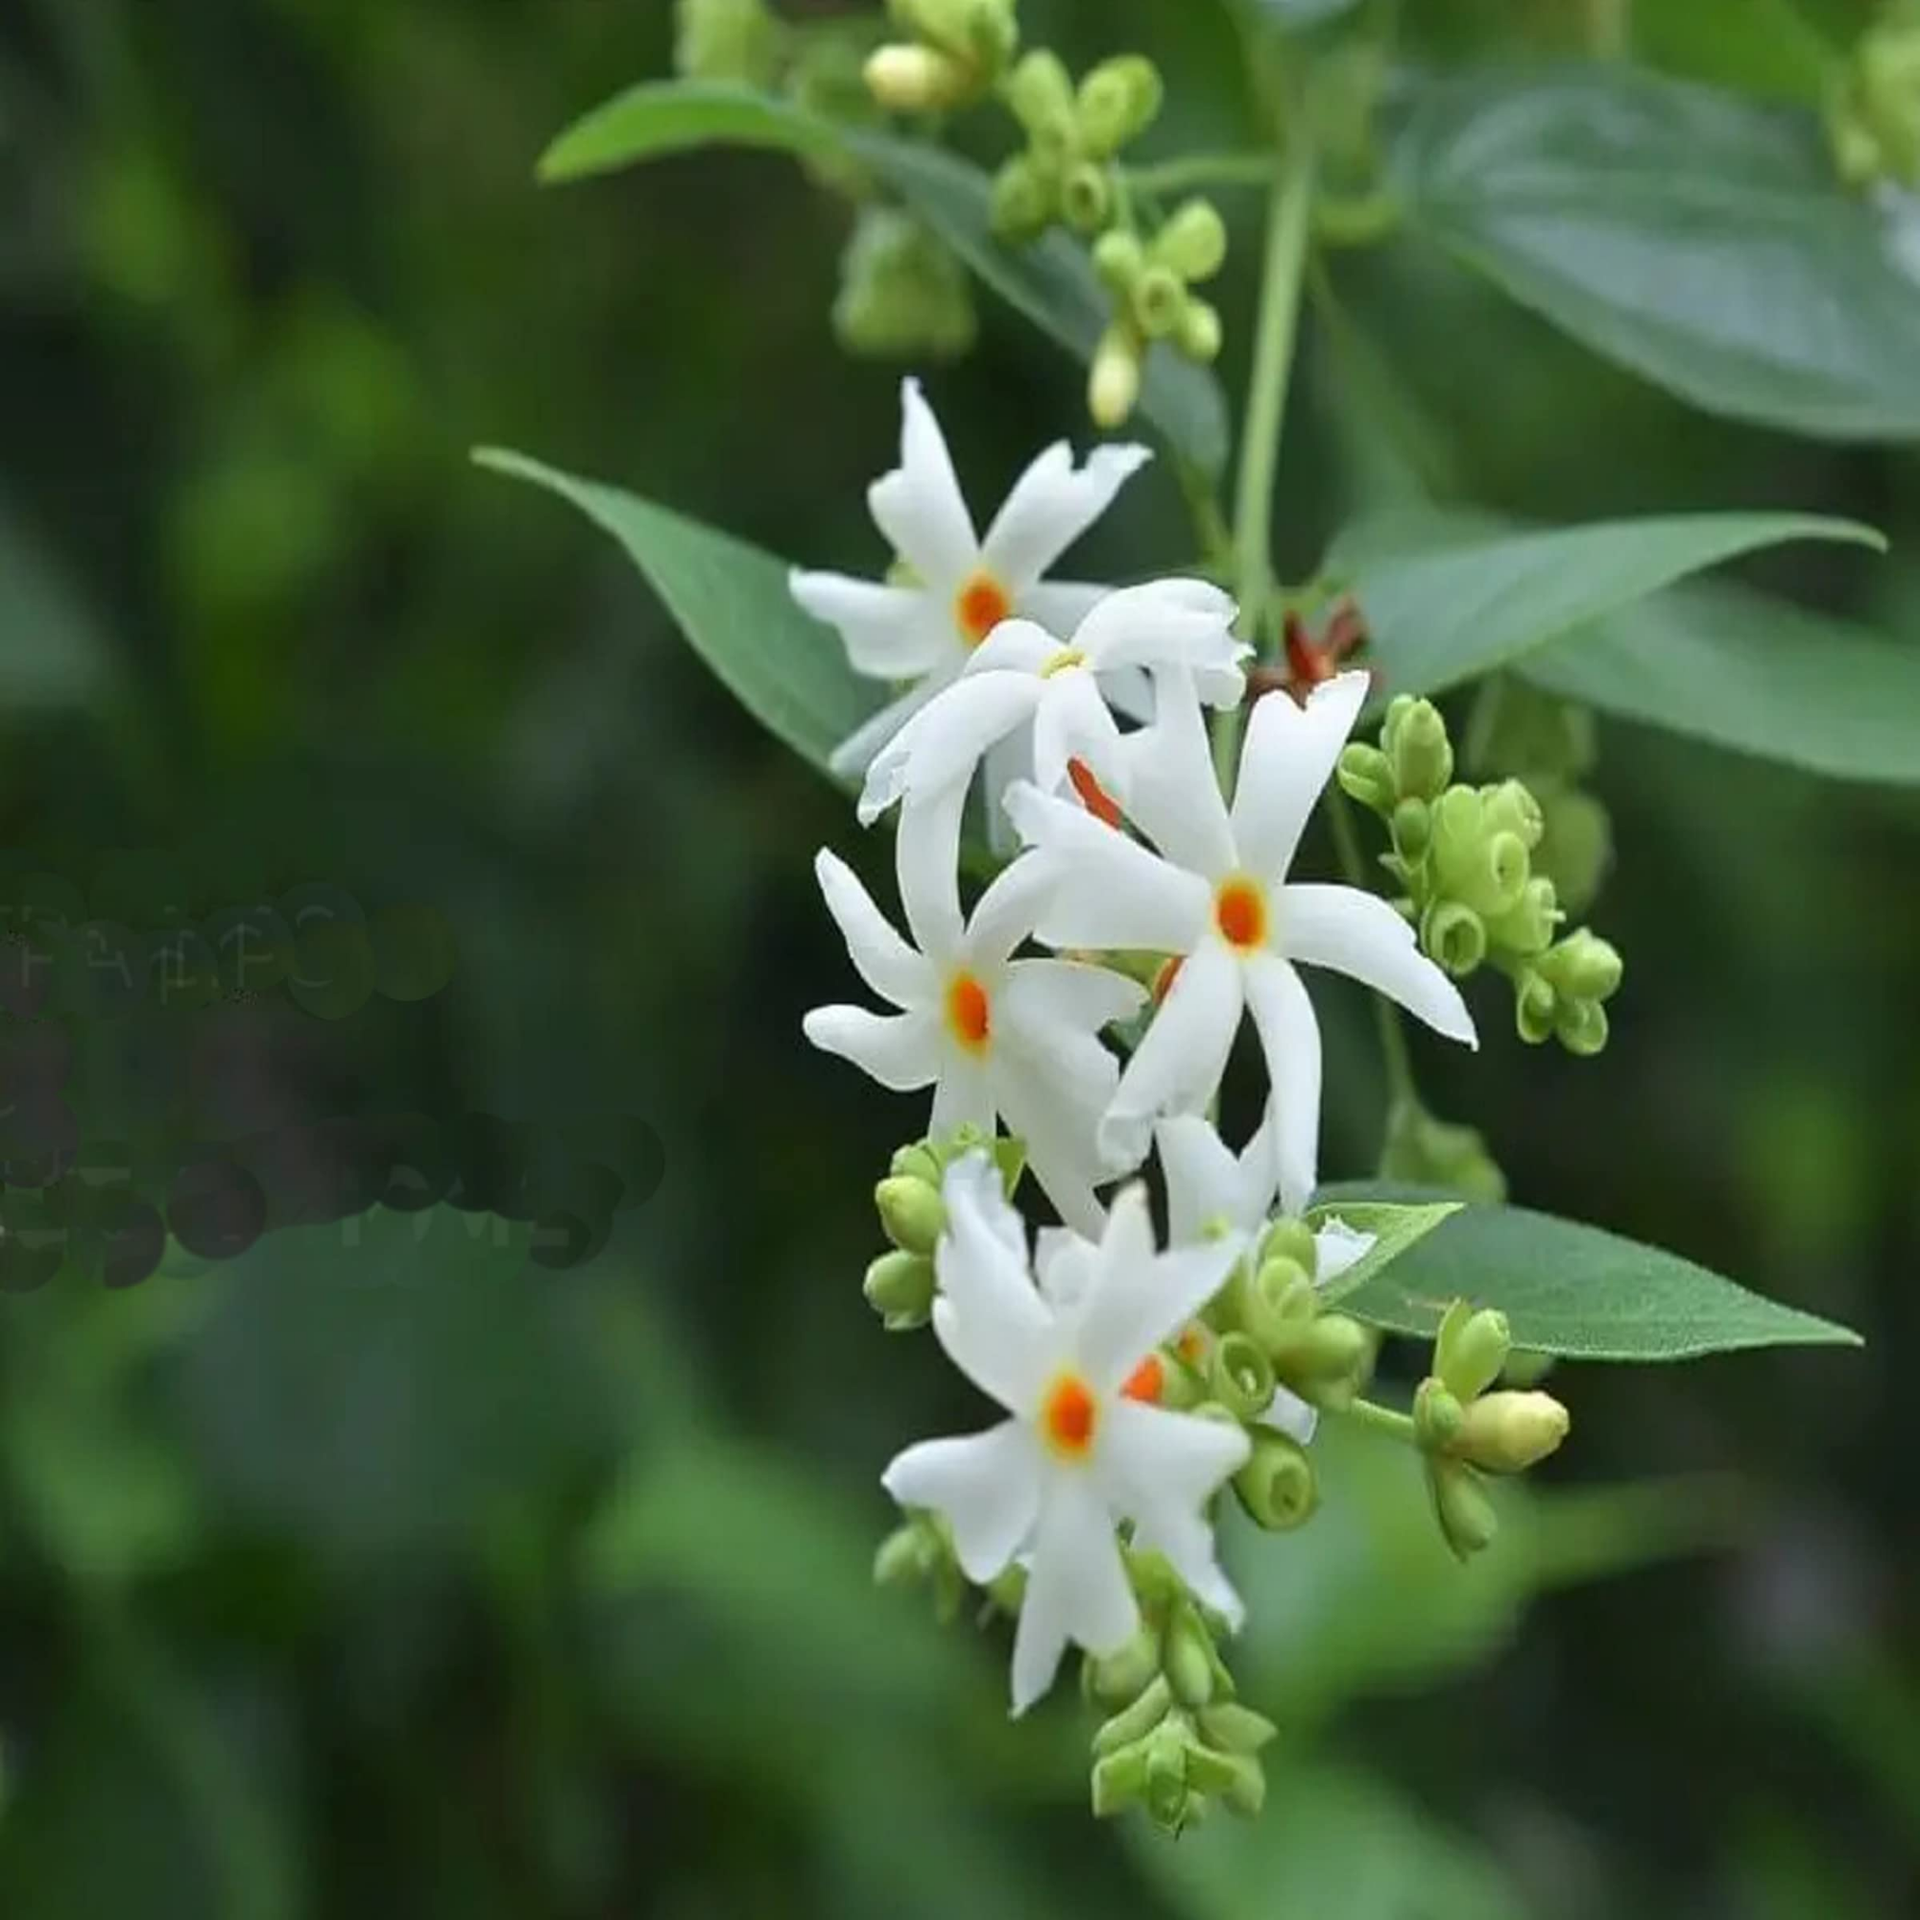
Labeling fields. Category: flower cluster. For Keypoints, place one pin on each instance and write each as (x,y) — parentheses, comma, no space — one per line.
(1137,1378)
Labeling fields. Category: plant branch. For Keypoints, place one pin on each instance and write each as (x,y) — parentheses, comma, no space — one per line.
(1202,170)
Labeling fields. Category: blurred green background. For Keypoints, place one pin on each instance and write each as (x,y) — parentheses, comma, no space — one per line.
(389,1574)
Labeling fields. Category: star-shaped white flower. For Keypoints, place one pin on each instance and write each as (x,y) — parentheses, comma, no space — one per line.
(1212,1194)
(1023,678)
(995,1037)
(1076,1455)
(921,635)
(1216,897)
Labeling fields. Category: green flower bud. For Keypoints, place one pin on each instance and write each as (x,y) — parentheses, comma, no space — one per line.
(1470,1350)
(1474,858)
(1189,1659)
(1116,1680)
(1119,260)
(1584,967)
(1233,1728)
(725,40)
(907,1556)
(1119,1781)
(1040,93)
(1118,101)
(917,79)
(1467,1519)
(903,294)
(1324,1360)
(1577,847)
(1200,334)
(1411,827)
(1133,1723)
(1510,1432)
(982,33)
(1511,808)
(1113,386)
(1086,197)
(1290,1238)
(917,1162)
(1528,926)
(899,1287)
(1418,748)
(1194,242)
(1424,1152)
(1535,1008)
(1023,201)
(1277,1485)
(1366,776)
(911,1212)
(1455,936)
(1582,1027)
(1269,1303)
(1158,301)
(1437,1416)
(1240,1375)
(1236,1778)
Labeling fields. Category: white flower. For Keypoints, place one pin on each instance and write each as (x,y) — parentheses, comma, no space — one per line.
(1077,1455)
(1023,677)
(922,634)
(1216,897)
(1214,1194)
(995,1037)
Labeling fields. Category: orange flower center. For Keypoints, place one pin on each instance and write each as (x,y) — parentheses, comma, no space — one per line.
(1240,912)
(969,1012)
(1093,796)
(980,605)
(1068,1416)
(1146,1380)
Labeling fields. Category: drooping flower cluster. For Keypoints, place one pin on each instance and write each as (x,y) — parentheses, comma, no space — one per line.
(1135,1382)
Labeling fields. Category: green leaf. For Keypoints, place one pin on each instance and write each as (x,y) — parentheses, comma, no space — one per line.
(731,602)
(1395,1228)
(1051,282)
(1699,239)
(1721,663)
(1444,604)
(1576,1291)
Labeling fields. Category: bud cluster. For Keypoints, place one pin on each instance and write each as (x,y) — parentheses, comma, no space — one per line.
(1465,855)
(899,1285)
(1465,1431)
(1178,1739)
(954,52)
(1873,103)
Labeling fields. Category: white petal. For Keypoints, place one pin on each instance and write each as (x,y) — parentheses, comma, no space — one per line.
(1363,936)
(1060,605)
(884,960)
(1159,1468)
(1129,691)
(1287,1413)
(926,861)
(1077,1589)
(1005,915)
(1069,993)
(1187,1541)
(1052,504)
(901,1050)
(987,1485)
(851,756)
(890,633)
(1203,1178)
(1064,1261)
(1170,623)
(1285,763)
(945,741)
(1057,1124)
(989,1316)
(1139,1297)
(1072,722)
(1007,760)
(1290,1039)
(1336,1247)
(919,507)
(1177,1067)
(962,1096)
(1014,646)
(1172,793)
(1108,890)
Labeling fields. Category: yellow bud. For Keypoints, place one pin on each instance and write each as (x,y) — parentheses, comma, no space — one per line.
(1510,1432)
(1113,388)
(1200,334)
(913,79)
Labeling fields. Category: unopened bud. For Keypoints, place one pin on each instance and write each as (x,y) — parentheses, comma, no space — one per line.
(1468,1522)
(725,40)
(1189,1659)
(1471,1349)
(1535,1008)
(1158,302)
(1119,100)
(917,1162)
(1113,387)
(1119,260)
(1437,1416)
(1240,1375)
(1133,1723)
(1290,1238)
(1325,1360)
(912,1213)
(1455,936)
(1200,334)
(1236,1729)
(1417,745)
(1116,1680)
(1237,1779)
(1584,967)
(1194,242)
(1510,1432)
(899,1287)
(1366,776)
(907,1556)
(1023,201)
(982,33)
(1582,1027)
(1277,1485)
(1528,926)
(1040,93)
(1086,197)
(1511,808)
(1411,827)
(916,79)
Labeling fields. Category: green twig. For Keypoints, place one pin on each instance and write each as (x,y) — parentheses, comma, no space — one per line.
(1203,170)
(1369,1413)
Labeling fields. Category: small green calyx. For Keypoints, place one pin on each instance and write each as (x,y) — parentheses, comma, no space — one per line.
(1277,1486)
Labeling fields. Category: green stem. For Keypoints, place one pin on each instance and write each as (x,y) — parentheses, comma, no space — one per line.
(1283,277)
(1393,1037)
(1203,170)
(1369,1413)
